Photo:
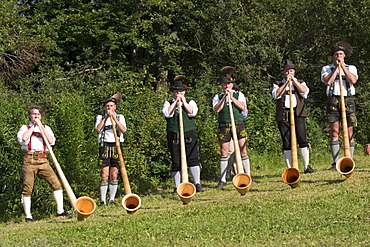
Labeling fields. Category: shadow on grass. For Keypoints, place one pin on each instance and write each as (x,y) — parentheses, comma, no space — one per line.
(335,181)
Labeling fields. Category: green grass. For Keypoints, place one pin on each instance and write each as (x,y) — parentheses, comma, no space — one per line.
(327,210)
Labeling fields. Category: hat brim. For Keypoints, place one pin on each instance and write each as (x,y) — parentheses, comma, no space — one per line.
(227,81)
(178,88)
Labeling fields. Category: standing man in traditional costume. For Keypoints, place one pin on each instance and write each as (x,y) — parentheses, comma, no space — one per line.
(190,110)
(108,155)
(280,93)
(220,105)
(330,77)
(35,161)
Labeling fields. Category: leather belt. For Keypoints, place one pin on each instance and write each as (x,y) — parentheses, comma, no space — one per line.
(35,155)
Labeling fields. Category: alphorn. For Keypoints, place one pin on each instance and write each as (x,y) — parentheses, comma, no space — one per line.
(84,205)
(346,164)
(131,202)
(291,176)
(186,190)
(241,180)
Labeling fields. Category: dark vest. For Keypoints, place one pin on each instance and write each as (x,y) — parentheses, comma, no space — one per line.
(300,109)
(224,114)
(173,122)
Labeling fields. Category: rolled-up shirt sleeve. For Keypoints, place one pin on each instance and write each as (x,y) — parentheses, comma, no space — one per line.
(274,89)
(20,134)
(304,95)
(215,100)
(165,107)
(194,107)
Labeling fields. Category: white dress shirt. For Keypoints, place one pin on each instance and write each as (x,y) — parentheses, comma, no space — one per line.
(37,143)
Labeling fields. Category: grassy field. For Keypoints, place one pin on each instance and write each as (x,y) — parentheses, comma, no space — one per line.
(327,210)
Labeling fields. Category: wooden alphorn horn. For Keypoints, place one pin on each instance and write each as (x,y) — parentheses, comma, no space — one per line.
(346,164)
(241,181)
(291,176)
(84,205)
(131,202)
(186,190)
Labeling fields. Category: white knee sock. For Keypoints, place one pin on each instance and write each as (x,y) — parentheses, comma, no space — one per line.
(176,178)
(305,154)
(113,185)
(223,168)
(334,147)
(26,201)
(246,165)
(288,158)
(195,173)
(352,148)
(103,191)
(58,196)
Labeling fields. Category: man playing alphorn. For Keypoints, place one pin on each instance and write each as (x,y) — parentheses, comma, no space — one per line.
(280,93)
(35,161)
(330,77)
(190,110)
(108,155)
(220,105)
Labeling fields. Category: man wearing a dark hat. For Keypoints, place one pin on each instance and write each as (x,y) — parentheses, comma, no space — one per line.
(330,77)
(190,110)
(220,105)
(280,93)
(108,156)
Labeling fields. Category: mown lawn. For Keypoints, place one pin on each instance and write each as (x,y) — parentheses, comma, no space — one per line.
(327,210)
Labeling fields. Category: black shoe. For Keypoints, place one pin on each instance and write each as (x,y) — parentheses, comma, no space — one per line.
(333,167)
(111,202)
(221,185)
(102,204)
(29,220)
(174,192)
(199,188)
(309,170)
(62,214)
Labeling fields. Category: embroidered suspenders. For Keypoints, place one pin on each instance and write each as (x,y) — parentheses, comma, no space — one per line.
(107,127)
(38,135)
(331,89)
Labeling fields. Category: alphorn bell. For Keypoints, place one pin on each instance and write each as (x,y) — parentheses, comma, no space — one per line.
(84,205)
(186,190)
(291,176)
(131,202)
(346,164)
(241,180)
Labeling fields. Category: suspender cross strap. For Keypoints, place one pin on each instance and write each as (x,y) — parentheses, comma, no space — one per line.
(38,135)
(331,89)
(107,127)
